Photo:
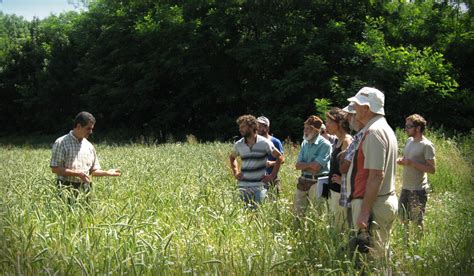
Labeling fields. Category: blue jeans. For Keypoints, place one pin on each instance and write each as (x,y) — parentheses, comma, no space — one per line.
(252,196)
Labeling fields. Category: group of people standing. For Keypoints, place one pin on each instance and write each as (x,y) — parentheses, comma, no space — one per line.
(360,169)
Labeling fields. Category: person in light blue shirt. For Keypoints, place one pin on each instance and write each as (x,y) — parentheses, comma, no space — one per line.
(313,161)
(263,130)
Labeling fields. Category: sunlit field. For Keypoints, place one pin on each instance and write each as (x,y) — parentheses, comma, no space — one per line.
(175,210)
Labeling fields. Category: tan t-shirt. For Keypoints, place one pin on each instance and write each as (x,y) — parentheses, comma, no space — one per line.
(421,151)
(380,150)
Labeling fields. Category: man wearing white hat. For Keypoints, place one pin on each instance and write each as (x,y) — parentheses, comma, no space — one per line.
(372,172)
(264,130)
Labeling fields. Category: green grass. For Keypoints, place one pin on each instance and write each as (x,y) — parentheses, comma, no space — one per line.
(175,210)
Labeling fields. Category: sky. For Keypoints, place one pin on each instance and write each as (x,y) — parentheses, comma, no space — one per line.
(36,8)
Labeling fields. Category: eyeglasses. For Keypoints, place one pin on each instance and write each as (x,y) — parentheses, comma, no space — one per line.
(409,126)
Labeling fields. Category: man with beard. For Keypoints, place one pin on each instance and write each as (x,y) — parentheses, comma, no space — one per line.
(313,162)
(418,160)
(74,159)
(253,150)
(273,187)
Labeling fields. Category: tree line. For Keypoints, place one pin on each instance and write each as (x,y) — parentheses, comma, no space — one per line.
(179,67)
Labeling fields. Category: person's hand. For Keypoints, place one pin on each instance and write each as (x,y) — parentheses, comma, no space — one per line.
(335,178)
(404,161)
(114,172)
(270,164)
(84,177)
(314,167)
(268,178)
(363,221)
(238,176)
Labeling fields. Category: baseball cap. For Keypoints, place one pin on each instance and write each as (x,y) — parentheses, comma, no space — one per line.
(263,120)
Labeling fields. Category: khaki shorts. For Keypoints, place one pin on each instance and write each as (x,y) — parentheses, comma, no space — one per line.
(384,213)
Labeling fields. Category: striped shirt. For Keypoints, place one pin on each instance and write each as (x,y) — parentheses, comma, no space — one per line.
(70,153)
(353,146)
(254,160)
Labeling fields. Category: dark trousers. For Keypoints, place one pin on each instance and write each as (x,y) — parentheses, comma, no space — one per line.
(70,190)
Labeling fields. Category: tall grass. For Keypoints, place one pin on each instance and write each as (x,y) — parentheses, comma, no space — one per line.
(175,210)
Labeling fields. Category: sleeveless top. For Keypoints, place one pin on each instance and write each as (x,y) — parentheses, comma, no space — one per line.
(334,169)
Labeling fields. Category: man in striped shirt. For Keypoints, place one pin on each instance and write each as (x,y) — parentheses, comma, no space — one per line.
(253,150)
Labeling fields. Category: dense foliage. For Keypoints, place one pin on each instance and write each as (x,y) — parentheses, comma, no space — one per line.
(177,67)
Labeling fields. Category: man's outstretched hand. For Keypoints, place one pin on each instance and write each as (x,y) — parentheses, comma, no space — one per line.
(114,172)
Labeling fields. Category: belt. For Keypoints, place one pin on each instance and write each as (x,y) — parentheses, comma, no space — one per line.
(62,182)
(70,183)
(361,197)
(311,176)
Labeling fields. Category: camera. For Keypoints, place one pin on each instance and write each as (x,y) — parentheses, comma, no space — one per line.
(361,242)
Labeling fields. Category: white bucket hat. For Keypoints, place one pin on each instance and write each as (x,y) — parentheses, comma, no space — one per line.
(371,97)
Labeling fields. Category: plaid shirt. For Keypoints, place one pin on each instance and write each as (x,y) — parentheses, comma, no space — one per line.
(353,146)
(344,200)
(71,153)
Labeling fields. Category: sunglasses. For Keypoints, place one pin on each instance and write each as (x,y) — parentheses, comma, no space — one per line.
(409,126)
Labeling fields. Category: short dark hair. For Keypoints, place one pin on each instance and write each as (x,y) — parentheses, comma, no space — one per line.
(418,121)
(84,118)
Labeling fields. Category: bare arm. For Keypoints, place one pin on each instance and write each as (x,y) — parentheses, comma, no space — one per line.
(272,163)
(429,166)
(344,166)
(313,167)
(374,182)
(68,172)
(111,172)
(343,163)
(279,160)
(346,142)
(234,167)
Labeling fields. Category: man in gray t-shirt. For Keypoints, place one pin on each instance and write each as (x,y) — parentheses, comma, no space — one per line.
(418,160)
(253,150)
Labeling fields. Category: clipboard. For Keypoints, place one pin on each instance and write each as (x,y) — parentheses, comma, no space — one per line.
(323,180)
